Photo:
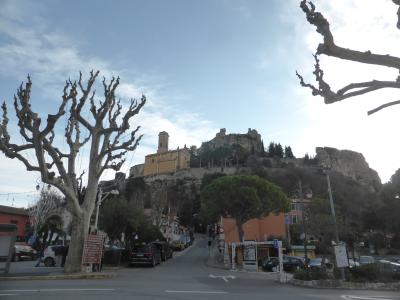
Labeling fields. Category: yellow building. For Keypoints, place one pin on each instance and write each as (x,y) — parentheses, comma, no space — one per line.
(165,161)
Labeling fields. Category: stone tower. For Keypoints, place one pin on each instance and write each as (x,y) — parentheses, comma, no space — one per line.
(163,142)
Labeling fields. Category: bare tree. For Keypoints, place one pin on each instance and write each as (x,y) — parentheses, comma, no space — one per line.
(105,130)
(46,205)
(328,47)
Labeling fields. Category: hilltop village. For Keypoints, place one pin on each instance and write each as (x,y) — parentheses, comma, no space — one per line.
(168,184)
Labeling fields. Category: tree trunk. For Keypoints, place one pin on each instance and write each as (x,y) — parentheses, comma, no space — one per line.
(239,225)
(80,228)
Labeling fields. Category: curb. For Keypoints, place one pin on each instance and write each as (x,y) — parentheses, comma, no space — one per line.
(62,276)
(337,284)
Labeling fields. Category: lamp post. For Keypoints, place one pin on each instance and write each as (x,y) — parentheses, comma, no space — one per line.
(342,273)
(303,223)
(100,199)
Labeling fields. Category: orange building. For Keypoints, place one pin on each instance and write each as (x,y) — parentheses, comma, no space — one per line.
(165,161)
(17,216)
(255,229)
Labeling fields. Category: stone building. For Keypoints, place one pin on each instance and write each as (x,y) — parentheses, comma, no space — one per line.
(166,161)
(250,141)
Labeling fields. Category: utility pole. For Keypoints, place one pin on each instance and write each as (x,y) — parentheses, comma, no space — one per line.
(334,218)
(99,200)
(303,222)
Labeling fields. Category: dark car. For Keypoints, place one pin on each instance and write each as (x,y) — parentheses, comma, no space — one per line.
(148,254)
(165,249)
(388,266)
(290,263)
(23,251)
(316,264)
(365,260)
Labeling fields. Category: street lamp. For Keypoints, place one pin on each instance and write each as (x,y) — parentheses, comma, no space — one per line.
(303,222)
(100,199)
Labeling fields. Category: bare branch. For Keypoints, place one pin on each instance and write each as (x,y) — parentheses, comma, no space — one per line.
(52,119)
(350,90)
(328,47)
(372,111)
(397,2)
(77,106)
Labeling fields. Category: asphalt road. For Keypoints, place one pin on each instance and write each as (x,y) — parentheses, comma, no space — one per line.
(184,277)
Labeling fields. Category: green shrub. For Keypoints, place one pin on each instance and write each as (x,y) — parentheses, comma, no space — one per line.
(310,275)
(369,272)
(338,274)
(373,273)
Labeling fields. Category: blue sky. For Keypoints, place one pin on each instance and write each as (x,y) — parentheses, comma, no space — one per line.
(203,65)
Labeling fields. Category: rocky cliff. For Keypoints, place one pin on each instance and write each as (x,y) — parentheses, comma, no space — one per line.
(348,163)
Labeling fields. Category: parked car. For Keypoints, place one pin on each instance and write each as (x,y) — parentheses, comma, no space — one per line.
(316,263)
(166,251)
(185,239)
(389,266)
(353,263)
(23,251)
(178,245)
(50,254)
(290,263)
(365,260)
(148,254)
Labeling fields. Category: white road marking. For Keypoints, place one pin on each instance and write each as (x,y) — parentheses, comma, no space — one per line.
(57,290)
(196,292)
(224,278)
(351,297)
(8,295)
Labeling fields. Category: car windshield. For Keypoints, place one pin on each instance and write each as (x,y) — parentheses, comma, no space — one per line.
(364,259)
(145,248)
(316,261)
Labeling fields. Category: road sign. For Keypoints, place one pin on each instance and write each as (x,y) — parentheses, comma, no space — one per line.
(93,249)
(250,257)
(287,220)
(342,260)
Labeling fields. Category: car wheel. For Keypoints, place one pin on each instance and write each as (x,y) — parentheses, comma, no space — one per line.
(49,262)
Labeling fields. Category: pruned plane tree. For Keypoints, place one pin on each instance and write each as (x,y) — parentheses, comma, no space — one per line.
(106,133)
(330,48)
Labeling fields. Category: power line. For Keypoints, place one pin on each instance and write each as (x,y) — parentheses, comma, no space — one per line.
(18,193)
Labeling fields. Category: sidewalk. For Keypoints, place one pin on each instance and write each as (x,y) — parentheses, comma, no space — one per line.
(215,258)
(26,270)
